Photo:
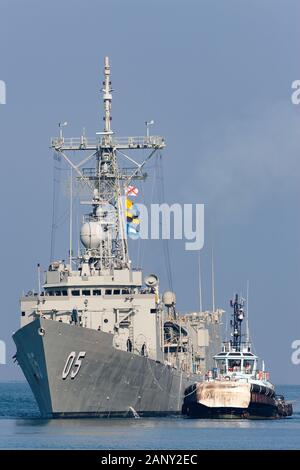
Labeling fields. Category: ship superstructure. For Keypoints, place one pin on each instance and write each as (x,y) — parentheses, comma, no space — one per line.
(98,339)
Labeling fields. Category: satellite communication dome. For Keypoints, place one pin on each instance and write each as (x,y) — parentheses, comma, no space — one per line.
(169,298)
(91,235)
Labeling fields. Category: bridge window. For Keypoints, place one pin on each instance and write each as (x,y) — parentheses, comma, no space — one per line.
(76,293)
(58,292)
(64,292)
(248,366)
(97,292)
(86,292)
(234,365)
(117,291)
(221,364)
(108,291)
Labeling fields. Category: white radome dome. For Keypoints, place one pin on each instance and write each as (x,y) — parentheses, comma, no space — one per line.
(169,298)
(91,235)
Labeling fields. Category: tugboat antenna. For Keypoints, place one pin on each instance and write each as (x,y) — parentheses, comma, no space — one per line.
(247,316)
(200,282)
(212,279)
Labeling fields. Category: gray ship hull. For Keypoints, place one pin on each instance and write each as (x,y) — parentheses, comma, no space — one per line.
(109,382)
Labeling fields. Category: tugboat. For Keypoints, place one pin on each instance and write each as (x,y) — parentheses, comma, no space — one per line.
(236,387)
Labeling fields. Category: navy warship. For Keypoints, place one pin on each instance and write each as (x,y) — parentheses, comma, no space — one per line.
(96,339)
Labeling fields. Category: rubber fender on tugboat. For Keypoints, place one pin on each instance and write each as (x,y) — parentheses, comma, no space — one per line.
(262,390)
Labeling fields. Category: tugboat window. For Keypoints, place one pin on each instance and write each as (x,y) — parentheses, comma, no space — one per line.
(86,292)
(108,292)
(234,365)
(76,293)
(221,364)
(248,366)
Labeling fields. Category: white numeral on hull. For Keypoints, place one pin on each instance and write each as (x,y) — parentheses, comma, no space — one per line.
(73,364)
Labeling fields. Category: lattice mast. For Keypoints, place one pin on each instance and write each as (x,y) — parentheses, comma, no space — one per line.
(104,235)
(107,194)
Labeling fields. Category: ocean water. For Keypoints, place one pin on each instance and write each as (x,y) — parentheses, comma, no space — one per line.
(22,428)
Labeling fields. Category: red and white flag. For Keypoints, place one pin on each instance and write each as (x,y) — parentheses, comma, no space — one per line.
(131,191)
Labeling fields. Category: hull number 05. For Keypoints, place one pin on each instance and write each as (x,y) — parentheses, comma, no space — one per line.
(73,364)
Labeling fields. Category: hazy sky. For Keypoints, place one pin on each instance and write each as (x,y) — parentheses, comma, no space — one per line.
(216,77)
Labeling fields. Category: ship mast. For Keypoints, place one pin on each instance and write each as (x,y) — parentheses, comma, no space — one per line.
(107,194)
(236,324)
(107,97)
(103,232)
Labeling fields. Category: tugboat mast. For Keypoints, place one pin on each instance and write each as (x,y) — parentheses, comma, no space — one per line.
(236,324)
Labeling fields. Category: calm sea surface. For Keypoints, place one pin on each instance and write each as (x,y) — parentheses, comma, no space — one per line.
(21,428)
